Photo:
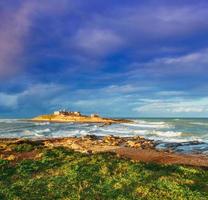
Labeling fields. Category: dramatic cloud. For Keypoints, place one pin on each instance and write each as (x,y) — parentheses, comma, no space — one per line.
(193,64)
(127,58)
(18,19)
(13,30)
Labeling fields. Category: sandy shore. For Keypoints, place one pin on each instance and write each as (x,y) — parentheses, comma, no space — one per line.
(135,148)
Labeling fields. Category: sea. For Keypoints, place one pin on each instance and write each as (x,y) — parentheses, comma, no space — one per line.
(179,135)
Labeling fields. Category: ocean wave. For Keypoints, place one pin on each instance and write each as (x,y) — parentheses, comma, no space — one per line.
(69,133)
(177,139)
(160,130)
(190,148)
(33,132)
(112,130)
(42,123)
(47,130)
(149,122)
(199,123)
(167,133)
(9,121)
(150,125)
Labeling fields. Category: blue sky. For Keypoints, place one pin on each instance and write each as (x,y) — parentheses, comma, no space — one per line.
(117,58)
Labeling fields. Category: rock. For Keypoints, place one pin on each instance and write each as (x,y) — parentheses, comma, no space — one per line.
(108,139)
(138,138)
(133,144)
(147,144)
(151,145)
(112,140)
(10,157)
(169,151)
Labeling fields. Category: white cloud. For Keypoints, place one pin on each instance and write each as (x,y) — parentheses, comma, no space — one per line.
(177,105)
(96,41)
(188,109)
(171,93)
(42,90)
(125,88)
(201,56)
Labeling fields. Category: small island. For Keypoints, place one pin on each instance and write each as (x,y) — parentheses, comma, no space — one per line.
(64,116)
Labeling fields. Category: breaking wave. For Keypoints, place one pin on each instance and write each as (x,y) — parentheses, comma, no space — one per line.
(147,124)
(199,123)
(42,123)
(167,133)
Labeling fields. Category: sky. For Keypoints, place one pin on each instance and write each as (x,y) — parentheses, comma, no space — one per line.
(119,58)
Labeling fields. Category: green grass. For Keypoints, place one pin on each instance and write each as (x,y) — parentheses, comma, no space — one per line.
(25,146)
(22,147)
(61,173)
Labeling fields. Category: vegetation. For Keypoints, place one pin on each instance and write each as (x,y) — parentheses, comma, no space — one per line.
(60,173)
(22,147)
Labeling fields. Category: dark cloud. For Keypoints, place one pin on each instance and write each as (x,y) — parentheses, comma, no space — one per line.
(95,54)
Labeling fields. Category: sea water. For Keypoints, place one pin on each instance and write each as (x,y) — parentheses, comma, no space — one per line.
(180,135)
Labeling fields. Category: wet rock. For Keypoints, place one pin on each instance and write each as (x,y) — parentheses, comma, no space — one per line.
(148,144)
(168,150)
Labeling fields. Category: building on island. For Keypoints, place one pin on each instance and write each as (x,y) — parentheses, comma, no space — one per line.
(56,112)
(94,115)
(67,113)
(77,113)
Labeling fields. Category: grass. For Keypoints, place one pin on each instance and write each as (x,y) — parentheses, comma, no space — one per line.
(61,173)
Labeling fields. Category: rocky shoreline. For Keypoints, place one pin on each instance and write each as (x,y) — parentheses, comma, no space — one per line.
(135,148)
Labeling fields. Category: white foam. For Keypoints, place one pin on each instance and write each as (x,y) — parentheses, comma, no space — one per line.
(8,120)
(47,130)
(69,133)
(175,140)
(199,123)
(34,132)
(146,124)
(42,123)
(167,133)
(38,135)
(113,130)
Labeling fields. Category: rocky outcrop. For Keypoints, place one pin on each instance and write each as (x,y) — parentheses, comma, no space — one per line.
(134,148)
(134,142)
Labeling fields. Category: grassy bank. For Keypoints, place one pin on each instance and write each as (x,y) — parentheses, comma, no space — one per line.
(60,173)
